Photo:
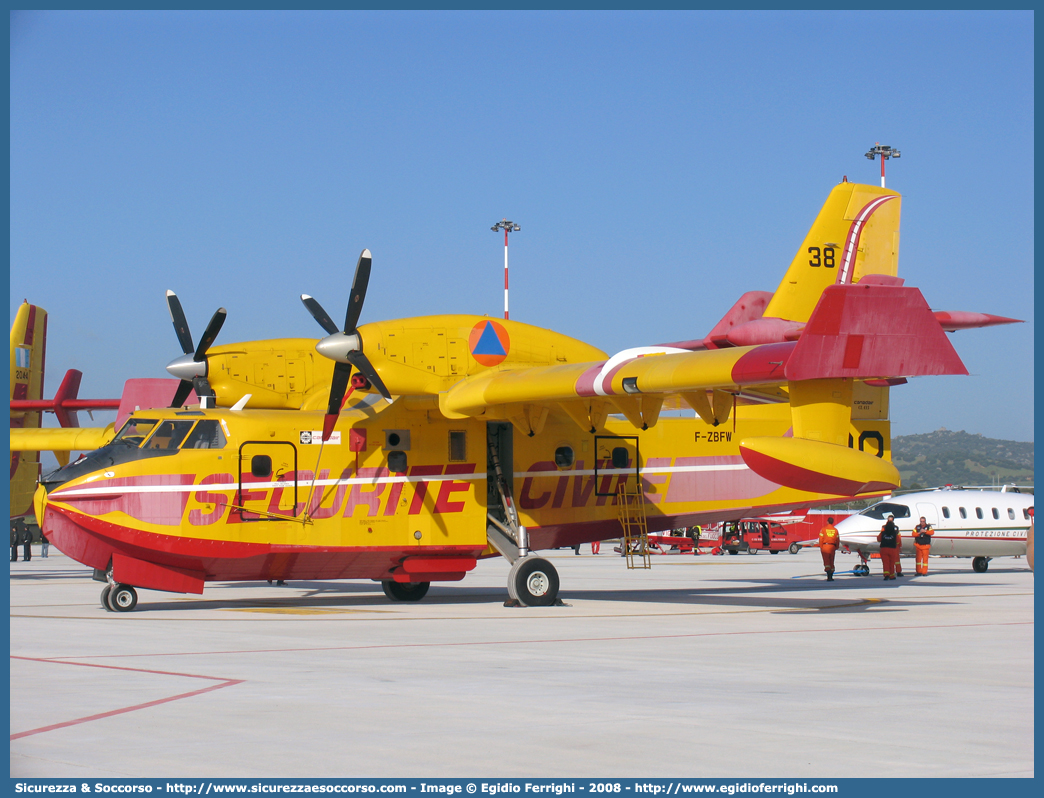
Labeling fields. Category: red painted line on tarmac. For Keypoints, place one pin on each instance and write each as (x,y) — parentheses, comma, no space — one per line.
(560,640)
(123,710)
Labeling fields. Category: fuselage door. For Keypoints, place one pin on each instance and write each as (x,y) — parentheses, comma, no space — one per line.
(616,463)
(267,481)
(929,511)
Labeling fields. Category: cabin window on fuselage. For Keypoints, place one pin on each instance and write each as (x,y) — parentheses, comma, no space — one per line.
(458,446)
(205,435)
(996,515)
(964,513)
(978,512)
(135,431)
(1025,513)
(169,435)
(946,512)
(884,509)
(1011,514)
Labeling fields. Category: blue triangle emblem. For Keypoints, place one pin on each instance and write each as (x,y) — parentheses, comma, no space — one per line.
(489,343)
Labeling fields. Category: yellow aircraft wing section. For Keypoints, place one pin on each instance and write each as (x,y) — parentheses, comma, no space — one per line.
(65,439)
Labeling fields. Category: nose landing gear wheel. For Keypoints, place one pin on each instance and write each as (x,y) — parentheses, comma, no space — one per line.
(980,564)
(123,598)
(533,581)
(405,591)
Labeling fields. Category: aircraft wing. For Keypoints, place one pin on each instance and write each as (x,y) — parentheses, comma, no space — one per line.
(64,439)
(855,332)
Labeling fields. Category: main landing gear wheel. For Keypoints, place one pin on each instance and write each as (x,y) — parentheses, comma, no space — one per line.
(861,570)
(980,564)
(405,591)
(794,548)
(123,598)
(105,597)
(533,582)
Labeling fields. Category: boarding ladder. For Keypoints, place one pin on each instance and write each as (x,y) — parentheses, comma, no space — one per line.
(506,535)
(630,504)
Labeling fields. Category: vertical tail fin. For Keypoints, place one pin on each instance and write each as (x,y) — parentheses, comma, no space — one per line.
(855,234)
(28,354)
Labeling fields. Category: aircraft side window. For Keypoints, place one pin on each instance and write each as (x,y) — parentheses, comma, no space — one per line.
(964,513)
(978,512)
(1011,514)
(996,515)
(458,446)
(620,458)
(1025,513)
(397,462)
(169,435)
(261,466)
(135,431)
(205,435)
(946,512)
(564,456)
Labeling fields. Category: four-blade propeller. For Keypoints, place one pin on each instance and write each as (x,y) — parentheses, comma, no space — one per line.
(191,368)
(344,346)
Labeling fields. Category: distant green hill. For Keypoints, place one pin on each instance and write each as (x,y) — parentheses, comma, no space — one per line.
(944,457)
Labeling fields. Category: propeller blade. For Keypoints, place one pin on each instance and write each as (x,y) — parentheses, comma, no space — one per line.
(355,301)
(184,389)
(342,373)
(319,314)
(358,359)
(210,334)
(177,315)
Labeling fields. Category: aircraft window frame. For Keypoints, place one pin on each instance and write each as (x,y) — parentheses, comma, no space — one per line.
(134,439)
(215,439)
(564,457)
(179,430)
(882,510)
(996,514)
(978,513)
(945,512)
(964,513)
(1011,513)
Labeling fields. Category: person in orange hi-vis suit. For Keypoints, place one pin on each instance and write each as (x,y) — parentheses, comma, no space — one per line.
(923,543)
(828,543)
(889,540)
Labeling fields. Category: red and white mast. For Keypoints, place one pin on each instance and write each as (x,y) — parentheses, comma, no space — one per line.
(507,227)
(885,152)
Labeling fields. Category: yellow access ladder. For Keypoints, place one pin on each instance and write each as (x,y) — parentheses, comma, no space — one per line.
(630,504)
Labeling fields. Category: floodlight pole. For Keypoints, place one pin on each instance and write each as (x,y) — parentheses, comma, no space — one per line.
(507,227)
(885,152)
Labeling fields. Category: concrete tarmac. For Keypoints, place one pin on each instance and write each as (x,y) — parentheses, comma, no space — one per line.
(736,666)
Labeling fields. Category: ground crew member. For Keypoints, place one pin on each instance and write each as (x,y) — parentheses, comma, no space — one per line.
(16,538)
(828,543)
(923,543)
(27,545)
(697,531)
(889,540)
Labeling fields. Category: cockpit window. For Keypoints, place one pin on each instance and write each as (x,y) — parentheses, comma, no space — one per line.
(135,431)
(205,435)
(169,435)
(885,509)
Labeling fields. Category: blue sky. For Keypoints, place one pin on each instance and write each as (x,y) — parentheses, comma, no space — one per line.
(660,164)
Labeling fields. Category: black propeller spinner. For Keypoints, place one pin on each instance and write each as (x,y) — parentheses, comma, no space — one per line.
(191,368)
(345,346)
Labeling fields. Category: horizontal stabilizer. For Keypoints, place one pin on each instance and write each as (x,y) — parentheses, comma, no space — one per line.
(872,331)
(954,320)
